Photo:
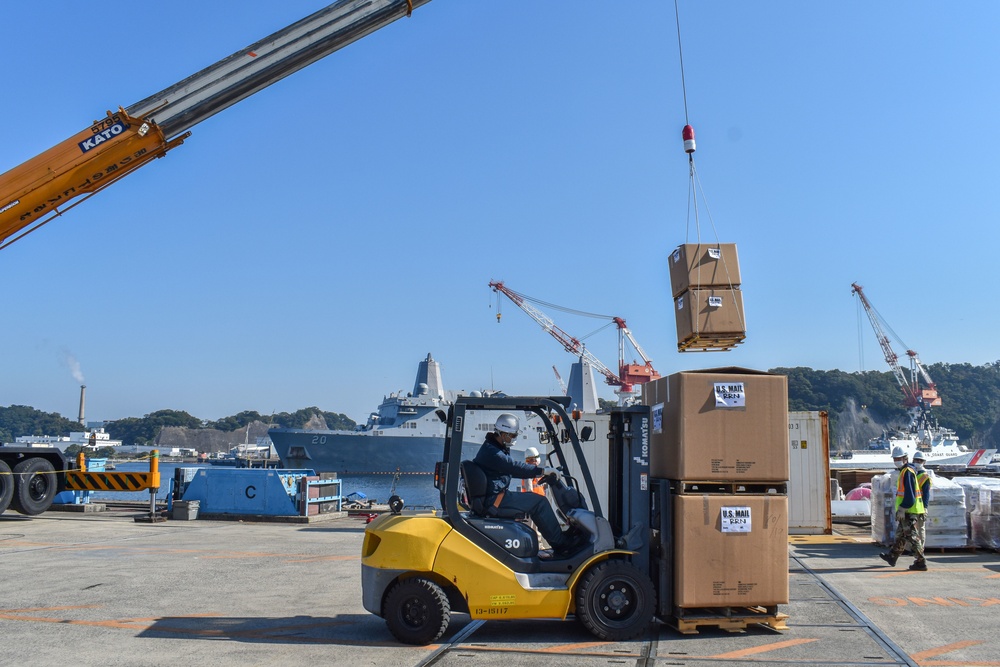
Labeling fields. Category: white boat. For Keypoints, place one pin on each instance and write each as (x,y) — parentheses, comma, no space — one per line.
(939,445)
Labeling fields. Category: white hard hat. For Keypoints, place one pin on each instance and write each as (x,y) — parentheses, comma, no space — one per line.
(507,423)
(899,452)
(531,453)
(919,456)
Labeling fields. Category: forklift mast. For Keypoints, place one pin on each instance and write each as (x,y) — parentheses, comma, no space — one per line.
(629,510)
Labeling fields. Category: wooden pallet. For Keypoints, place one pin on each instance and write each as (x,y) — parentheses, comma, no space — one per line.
(728,488)
(705,342)
(730,619)
(968,548)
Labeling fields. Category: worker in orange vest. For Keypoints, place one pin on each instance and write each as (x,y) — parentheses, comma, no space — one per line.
(531,457)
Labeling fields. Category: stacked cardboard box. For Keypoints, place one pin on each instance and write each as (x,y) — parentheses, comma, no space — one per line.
(717,566)
(724,424)
(708,303)
(721,436)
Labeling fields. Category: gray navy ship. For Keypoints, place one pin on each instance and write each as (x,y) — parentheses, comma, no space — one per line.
(406,435)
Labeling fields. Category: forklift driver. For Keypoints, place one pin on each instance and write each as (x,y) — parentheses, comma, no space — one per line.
(499,466)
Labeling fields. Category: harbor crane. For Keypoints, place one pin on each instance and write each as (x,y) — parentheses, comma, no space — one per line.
(562,385)
(629,374)
(914,396)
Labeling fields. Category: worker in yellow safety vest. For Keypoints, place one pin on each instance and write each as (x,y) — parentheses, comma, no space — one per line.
(925,484)
(910,513)
(923,478)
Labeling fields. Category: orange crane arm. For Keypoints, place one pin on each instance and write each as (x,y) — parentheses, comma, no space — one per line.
(43,187)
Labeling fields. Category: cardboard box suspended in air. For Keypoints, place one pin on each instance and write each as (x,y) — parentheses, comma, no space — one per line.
(720,424)
(730,550)
(709,313)
(701,265)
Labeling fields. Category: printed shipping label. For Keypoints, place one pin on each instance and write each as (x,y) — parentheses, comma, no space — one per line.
(736,520)
(715,253)
(730,395)
(658,418)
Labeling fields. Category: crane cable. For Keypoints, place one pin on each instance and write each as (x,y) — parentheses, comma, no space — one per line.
(680,53)
(694,183)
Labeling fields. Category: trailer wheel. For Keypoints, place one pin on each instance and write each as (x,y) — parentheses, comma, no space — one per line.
(35,486)
(6,486)
(615,601)
(417,611)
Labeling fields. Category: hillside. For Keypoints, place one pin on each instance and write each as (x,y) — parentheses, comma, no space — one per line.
(861,405)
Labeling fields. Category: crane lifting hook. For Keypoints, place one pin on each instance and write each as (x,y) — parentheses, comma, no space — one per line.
(688,135)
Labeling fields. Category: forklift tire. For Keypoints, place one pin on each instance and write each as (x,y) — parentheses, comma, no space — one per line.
(615,600)
(35,486)
(6,486)
(417,611)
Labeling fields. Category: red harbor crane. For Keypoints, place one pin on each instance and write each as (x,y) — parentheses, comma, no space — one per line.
(629,374)
(913,395)
(562,385)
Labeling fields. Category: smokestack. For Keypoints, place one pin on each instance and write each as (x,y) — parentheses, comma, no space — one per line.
(83,395)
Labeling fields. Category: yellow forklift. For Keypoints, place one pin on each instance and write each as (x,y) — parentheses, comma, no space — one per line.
(418,567)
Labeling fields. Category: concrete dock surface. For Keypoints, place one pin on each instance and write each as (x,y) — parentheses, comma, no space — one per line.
(101,589)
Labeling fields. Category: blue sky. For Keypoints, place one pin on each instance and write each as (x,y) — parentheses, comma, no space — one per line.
(310,245)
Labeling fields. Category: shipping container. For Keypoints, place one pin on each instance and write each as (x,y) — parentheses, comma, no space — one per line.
(809,474)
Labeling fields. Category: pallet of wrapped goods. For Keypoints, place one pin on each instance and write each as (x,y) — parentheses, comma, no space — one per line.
(709,319)
(883,499)
(971,486)
(701,265)
(986,518)
(945,525)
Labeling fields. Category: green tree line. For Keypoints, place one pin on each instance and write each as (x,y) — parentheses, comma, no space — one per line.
(970,398)
(970,405)
(20,420)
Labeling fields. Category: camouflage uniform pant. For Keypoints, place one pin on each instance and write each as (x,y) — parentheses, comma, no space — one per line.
(910,530)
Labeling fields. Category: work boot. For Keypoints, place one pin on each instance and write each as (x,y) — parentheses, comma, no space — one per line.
(890,559)
(919,565)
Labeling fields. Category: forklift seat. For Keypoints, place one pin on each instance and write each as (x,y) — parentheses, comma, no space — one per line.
(476,488)
(513,537)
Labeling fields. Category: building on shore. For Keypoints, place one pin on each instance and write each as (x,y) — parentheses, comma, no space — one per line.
(93,438)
